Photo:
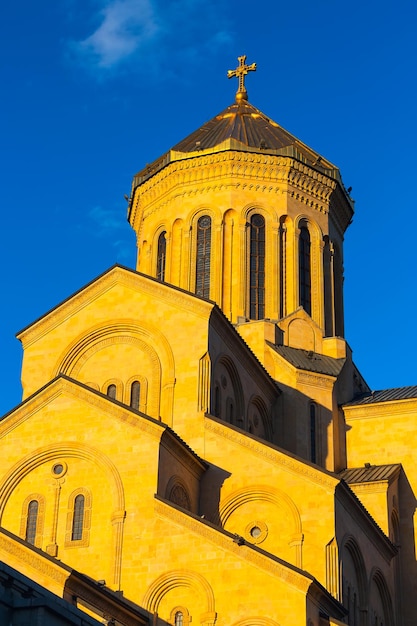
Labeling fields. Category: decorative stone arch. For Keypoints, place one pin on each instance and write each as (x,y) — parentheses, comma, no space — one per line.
(270,258)
(378,578)
(275,496)
(350,545)
(143,391)
(258,403)
(161,228)
(176,491)
(86,525)
(71,449)
(40,499)
(190,227)
(230,367)
(185,616)
(147,338)
(117,384)
(256,621)
(316,269)
(181,578)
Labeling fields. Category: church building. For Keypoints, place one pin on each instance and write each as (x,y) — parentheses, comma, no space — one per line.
(195,445)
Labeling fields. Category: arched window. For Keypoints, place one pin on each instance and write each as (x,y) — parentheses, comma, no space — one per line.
(304,269)
(257,268)
(202,280)
(32,521)
(161,256)
(179,618)
(313,433)
(78,518)
(111,391)
(135,394)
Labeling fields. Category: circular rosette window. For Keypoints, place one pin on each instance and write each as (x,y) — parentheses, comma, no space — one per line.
(59,469)
(256,532)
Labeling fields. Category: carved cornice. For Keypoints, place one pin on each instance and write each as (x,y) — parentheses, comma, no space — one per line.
(315,380)
(272,455)
(39,563)
(388,409)
(233,170)
(224,540)
(114,276)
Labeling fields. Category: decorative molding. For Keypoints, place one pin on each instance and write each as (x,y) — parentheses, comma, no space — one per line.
(224,541)
(32,559)
(315,380)
(390,408)
(114,276)
(277,457)
(231,169)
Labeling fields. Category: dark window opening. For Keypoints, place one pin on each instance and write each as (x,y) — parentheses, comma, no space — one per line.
(135,395)
(78,518)
(304,268)
(202,282)
(111,391)
(257,268)
(161,257)
(32,521)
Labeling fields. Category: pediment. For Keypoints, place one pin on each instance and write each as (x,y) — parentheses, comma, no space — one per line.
(109,285)
(64,407)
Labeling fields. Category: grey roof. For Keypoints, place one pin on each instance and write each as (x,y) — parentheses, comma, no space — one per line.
(368,474)
(385,395)
(309,360)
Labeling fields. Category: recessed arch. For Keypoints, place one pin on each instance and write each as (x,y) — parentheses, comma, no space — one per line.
(146,338)
(256,621)
(55,452)
(275,496)
(178,578)
(222,395)
(377,578)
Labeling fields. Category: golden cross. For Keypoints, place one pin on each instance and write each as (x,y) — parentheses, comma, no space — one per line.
(241,72)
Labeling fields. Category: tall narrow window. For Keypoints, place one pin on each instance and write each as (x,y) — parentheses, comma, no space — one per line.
(32,521)
(202,281)
(135,394)
(161,256)
(304,268)
(179,618)
(257,267)
(111,391)
(78,518)
(313,433)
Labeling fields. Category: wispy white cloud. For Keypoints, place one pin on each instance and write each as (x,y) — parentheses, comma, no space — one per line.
(164,31)
(125,26)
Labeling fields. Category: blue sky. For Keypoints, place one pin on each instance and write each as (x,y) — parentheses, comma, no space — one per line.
(93,90)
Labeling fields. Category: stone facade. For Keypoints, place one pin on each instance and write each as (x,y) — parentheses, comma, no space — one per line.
(194,434)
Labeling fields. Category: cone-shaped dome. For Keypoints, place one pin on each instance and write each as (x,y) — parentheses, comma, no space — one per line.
(244,123)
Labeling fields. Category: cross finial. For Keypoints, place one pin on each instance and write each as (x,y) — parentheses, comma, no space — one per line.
(241,72)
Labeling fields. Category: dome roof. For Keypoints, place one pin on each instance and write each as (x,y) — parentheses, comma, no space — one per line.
(240,127)
(244,123)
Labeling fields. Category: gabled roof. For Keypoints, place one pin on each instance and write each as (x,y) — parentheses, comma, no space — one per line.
(385,395)
(309,360)
(370,473)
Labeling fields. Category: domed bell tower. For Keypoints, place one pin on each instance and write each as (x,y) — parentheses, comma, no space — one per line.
(243,213)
